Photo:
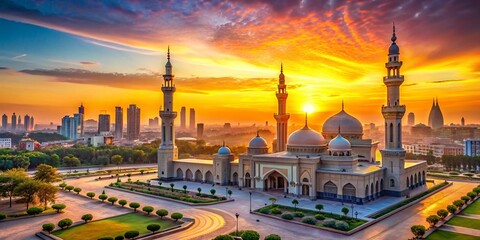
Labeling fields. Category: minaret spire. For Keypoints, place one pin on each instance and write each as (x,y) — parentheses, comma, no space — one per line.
(281,116)
(168,53)
(342,105)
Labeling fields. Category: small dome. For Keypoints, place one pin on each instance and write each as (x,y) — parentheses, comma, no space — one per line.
(258,142)
(224,150)
(348,124)
(394,49)
(306,137)
(339,143)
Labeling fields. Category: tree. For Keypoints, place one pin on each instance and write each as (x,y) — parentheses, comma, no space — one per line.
(54,160)
(185,188)
(48,227)
(213,191)
(452,209)
(69,188)
(229,192)
(87,217)
(273,200)
(120,237)
(176,216)
(148,209)
(471,195)
(153,227)
(122,202)
(103,197)
(200,190)
(59,207)
(433,219)
(46,173)
(476,190)
(171,186)
(466,198)
(295,203)
(65,223)
(134,205)
(418,230)
(117,160)
(112,200)
(62,185)
(11,179)
(139,156)
(273,237)
(162,213)
(319,207)
(34,211)
(46,193)
(131,234)
(458,203)
(77,190)
(27,190)
(224,237)
(345,211)
(91,195)
(442,213)
(71,161)
(250,235)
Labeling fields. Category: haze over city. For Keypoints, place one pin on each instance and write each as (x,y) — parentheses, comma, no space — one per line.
(227,57)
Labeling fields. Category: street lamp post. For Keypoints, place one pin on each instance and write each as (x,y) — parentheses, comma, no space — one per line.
(236,215)
(250,201)
(356,215)
(352,209)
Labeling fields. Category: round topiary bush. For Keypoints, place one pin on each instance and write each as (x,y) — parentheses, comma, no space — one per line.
(273,237)
(153,227)
(319,217)
(276,211)
(87,217)
(341,225)
(148,209)
(223,237)
(287,216)
(298,214)
(122,202)
(309,220)
(69,188)
(91,195)
(264,211)
(134,205)
(250,235)
(34,210)
(119,237)
(48,227)
(329,223)
(176,216)
(162,213)
(65,223)
(131,234)
(59,207)
(77,190)
(3,216)
(103,197)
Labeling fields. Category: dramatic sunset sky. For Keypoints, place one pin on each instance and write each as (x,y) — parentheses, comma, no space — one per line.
(226,57)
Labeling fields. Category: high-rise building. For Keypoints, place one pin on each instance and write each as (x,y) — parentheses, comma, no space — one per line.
(167,151)
(103,123)
(192,119)
(463,121)
(282,116)
(411,119)
(26,123)
(118,122)
(200,127)
(19,124)
(81,111)
(435,118)
(71,126)
(14,122)
(183,118)
(133,122)
(472,147)
(32,124)
(4,121)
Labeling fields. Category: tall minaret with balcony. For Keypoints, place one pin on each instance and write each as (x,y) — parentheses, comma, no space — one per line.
(282,116)
(167,151)
(393,156)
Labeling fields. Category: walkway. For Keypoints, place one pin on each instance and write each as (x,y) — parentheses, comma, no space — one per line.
(469,215)
(462,230)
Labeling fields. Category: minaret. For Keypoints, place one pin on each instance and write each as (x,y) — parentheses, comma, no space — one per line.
(393,156)
(282,116)
(167,151)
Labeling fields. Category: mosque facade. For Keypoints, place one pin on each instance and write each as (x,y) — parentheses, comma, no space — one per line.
(337,164)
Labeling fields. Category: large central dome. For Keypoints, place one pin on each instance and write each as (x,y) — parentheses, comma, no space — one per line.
(350,125)
(306,137)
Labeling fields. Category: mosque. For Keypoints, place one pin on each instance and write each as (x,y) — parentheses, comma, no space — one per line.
(337,164)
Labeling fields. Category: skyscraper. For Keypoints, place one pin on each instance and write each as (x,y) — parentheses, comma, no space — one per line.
(4,121)
(463,121)
(26,123)
(183,118)
(103,123)
(32,124)
(192,119)
(118,122)
(435,118)
(133,122)
(81,111)
(19,124)
(14,122)
(70,126)
(200,127)
(411,119)
(282,116)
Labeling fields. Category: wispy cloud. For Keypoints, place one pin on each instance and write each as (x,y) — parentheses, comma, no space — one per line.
(18,57)
(448,81)
(89,63)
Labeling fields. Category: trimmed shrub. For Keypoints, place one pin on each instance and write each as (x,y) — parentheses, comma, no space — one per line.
(62,185)
(65,223)
(59,207)
(250,235)
(112,200)
(451,208)
(276,211)
(273,237)
(148,209)
(466,198)
(134,205)
(34,211)
(122,202)
(91,195)
(265,211)
(345,211)
(329,223)
(77,190)
(287,216)
(319,207)
(87,217)
(153,227)
(418,230)
(472,195)
(433,219)
(131,234)
(48,227)
(119,237)
(176,216)
(213,191)
(223,237)
(309,220)
(341,225)
(458,203)
(442,213)
(298,214)
(3,216)
(69,188)
(162,213)
(319,217)
(103,197)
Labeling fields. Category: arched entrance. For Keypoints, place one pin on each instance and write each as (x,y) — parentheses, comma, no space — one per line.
(179,173)
(305,187)
(247,181)
(330,190)
(235,178)
(189,175)
(198,176)
(275,182)
(349,192)
(209,177)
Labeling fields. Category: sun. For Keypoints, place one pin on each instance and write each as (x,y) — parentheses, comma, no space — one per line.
(308,108)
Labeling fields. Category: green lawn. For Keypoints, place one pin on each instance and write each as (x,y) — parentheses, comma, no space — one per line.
(443,235)
(112,227)
(474,208)
(465,222)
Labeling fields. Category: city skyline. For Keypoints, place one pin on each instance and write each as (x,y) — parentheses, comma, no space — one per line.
(339,55)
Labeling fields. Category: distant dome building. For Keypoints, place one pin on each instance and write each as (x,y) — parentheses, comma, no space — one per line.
(435,118)
(224,150)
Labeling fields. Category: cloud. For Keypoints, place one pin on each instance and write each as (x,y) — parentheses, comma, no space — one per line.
(5,68)
(19,56)
(448,81)
(89,63)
